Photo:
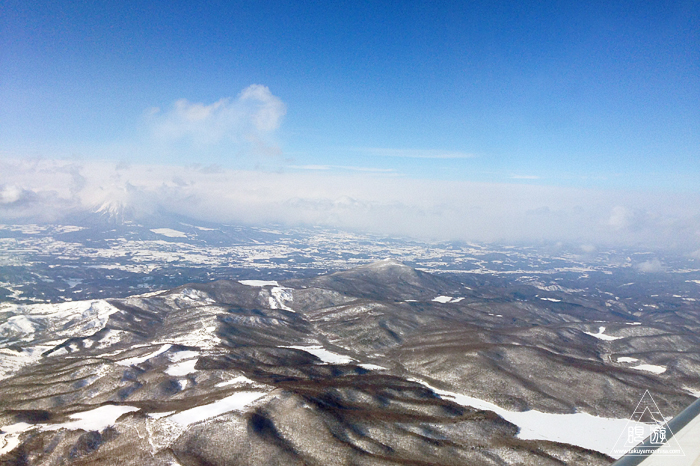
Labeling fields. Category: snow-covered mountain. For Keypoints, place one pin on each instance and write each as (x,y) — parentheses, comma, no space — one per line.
(379,364)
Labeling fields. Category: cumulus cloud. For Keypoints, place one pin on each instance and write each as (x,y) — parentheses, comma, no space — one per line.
(18,203)
(10,194)
(15,199)
(372,202)
(247,121)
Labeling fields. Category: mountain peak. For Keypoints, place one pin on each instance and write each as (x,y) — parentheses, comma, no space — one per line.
(113,211)
(385,279)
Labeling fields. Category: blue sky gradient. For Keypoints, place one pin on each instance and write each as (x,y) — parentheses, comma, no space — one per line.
(593,95)
(605,90)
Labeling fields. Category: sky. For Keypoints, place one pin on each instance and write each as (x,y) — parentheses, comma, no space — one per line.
(516,121)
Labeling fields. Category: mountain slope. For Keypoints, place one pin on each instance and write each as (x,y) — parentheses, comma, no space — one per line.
(367,366)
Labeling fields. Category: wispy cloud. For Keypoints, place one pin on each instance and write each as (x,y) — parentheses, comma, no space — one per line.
(249,119)
(415,153)
(343,168)
(310,167)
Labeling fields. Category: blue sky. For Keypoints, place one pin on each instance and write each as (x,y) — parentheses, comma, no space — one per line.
(550,89)
(599,95)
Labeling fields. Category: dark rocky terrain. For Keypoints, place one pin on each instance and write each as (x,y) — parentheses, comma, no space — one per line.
(356,367)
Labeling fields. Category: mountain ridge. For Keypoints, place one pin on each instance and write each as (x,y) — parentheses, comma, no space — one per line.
(349,358)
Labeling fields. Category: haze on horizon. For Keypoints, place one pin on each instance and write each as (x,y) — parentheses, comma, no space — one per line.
(451,120)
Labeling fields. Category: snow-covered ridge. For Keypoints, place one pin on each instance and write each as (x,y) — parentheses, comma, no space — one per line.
(46,326)
(70,319)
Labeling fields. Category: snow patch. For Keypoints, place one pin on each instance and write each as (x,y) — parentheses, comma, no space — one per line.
(258,282)
(149,294)
(139,360)
(182,368)
(110,338)
(371,367)
(169,232)
(581,429)
(443,299)
(650,368)
(323,354)
(96,419)
(182,355)
(601,335)
(160,415)
(447,299)
(627,359)
(235,402)
(9,437)
(235,381)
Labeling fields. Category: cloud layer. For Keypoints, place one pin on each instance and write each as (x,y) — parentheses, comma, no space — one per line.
(47,189)
(248,121)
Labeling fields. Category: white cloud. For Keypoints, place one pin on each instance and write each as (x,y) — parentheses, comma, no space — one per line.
(650,266)
(310,167)
(343,168)
(266,109)
(588,248)
(248,120)
(374,202)
(415,153)
(619,218)
(10,194)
